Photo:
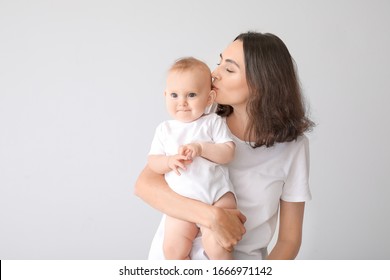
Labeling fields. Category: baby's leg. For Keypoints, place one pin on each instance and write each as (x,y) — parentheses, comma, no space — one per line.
(178,238)
(213,249)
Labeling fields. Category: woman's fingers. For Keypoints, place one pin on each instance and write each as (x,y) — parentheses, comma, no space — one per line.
(237,213)
(228,227)
(242,217)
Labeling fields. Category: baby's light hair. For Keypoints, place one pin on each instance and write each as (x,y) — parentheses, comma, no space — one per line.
(190,63)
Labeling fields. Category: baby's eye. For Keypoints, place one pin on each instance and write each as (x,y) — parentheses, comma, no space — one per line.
(174,95)
(192,95)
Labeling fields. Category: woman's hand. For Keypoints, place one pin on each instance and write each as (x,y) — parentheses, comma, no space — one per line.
(227,226)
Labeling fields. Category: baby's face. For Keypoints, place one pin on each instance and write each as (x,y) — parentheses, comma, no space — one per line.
(187,94)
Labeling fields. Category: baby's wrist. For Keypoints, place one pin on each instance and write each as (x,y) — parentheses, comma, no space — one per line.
(168,160)
(200,148)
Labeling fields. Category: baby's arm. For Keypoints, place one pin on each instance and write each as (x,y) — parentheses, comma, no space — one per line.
(163,164)
(221,153)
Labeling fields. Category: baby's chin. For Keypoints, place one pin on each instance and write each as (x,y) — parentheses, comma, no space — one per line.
(187,116)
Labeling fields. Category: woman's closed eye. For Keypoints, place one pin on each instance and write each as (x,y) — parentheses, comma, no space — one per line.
(227,69)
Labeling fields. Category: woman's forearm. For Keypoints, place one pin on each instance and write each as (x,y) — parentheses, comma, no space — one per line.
(290,231)
(284,250)
(154,190)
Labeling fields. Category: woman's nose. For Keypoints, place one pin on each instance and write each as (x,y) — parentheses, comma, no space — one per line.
(214,76)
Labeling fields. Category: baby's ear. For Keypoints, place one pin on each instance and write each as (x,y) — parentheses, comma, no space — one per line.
(212,96)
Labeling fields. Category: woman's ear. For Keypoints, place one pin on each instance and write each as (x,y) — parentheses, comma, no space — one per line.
(212,96)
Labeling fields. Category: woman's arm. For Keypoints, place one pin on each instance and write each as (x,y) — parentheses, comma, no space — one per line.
(290,231)
(227,225)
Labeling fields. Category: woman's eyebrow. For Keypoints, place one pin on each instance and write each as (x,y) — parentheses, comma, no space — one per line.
(229,60)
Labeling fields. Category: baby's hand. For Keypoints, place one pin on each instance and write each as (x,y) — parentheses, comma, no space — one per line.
(177,161)
(191,151)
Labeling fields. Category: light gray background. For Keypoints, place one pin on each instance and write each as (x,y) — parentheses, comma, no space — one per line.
(81,86)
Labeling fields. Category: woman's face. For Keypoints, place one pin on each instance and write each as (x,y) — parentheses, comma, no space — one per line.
(230,78)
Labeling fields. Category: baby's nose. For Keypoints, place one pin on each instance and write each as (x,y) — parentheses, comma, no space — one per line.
(183,101)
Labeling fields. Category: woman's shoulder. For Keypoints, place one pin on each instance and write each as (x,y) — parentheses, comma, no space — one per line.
(290,151)
(302,140)
(301,143)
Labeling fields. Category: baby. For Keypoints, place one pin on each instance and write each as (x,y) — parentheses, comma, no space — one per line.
(201,139)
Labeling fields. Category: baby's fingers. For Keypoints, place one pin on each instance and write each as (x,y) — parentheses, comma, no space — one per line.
(180,164)
(182,150)
(176,171)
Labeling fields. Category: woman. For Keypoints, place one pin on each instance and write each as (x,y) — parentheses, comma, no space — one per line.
(259,95)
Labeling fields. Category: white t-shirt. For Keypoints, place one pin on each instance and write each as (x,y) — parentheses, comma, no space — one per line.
(202,180)
(261,177)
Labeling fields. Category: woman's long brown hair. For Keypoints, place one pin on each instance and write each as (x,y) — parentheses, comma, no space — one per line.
(275,107)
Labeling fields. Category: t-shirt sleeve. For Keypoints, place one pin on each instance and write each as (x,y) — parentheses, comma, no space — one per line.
(296,187)
(157,146)
(220,133)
